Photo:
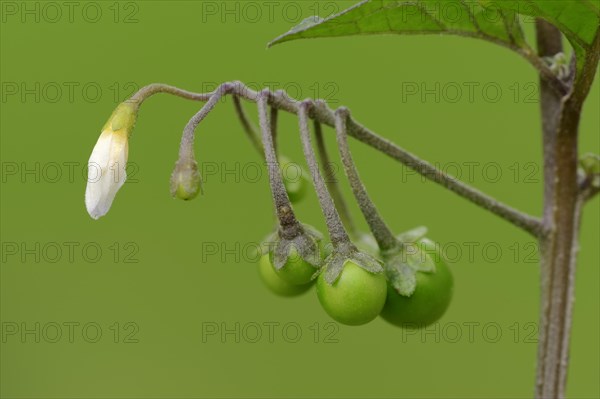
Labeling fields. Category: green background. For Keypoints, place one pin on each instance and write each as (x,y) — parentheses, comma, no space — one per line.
(176,289)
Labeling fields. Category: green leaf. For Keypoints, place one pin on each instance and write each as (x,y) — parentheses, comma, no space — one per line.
(456,17)
(493,20)
(578,20)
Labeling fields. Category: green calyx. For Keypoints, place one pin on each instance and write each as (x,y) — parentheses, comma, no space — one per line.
(343,254)
(123,118)
(305,247)
(403,265)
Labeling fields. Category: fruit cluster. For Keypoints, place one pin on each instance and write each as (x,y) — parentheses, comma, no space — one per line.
(357,296)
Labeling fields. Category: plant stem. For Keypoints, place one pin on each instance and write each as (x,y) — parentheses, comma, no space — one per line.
(528,223)
(332,182)
(290,227)
(549,42)
(589,192)
(249,128)
(563,204)
(273,119)
(553,83)
(324,115)
(186,148)
(147,91)
(382,233)
(337,233)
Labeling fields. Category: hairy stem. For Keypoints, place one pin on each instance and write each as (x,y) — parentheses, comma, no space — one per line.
(249,128)
(528,223)
(324,115)
(186,149)
(563,203)
(589,192)
(290,226)
(332,182)
(382,233)
(147,91)
(273,118)
(549,42)
(337,233)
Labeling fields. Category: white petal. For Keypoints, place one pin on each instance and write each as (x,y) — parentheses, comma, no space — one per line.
(106,172)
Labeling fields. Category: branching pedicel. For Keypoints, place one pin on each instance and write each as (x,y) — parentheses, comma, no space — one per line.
(350,279)
(325,115)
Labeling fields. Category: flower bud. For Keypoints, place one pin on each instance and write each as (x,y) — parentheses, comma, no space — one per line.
(186,181)
(590,163)
(108,162)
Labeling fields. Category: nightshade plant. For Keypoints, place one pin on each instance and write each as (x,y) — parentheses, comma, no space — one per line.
(357,281)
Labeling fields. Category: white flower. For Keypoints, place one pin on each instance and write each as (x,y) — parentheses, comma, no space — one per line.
(107,164)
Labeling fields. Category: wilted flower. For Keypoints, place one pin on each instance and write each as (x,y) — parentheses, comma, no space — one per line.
(107,164)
